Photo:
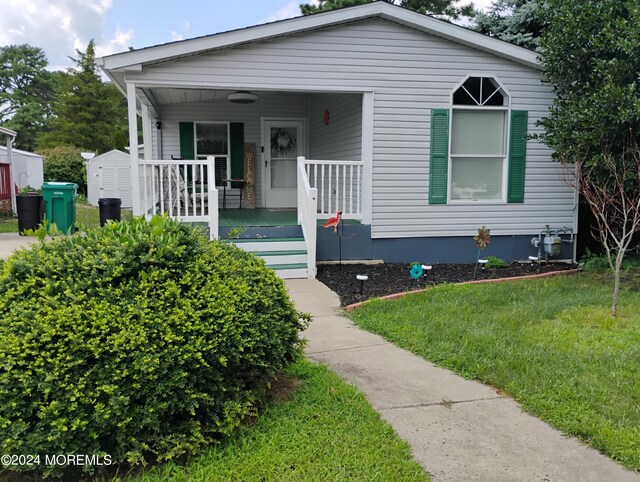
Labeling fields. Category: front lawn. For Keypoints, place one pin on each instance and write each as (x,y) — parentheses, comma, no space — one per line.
(327,431)
(549,343)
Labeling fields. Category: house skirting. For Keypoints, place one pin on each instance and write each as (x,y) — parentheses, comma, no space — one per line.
(358,244)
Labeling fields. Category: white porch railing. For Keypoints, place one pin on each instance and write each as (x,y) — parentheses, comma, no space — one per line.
(339,185)
(184,190)
(308,215)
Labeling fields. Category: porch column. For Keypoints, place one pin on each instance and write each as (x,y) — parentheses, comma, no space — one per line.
(367,157)
(133,147)
(147,138)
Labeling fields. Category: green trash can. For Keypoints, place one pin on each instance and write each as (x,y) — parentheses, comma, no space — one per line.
(60,205)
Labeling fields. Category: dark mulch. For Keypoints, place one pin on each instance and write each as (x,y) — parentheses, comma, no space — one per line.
(388,278)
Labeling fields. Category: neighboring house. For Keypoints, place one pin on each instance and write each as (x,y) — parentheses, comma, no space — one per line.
(417,129)
(109,176)
(27,167)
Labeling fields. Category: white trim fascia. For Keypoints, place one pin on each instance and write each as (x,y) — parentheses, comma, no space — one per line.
(367,157)
(8,132)
(417,21)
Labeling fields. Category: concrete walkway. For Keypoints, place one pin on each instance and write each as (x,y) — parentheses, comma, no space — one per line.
(9,242)
(459,430)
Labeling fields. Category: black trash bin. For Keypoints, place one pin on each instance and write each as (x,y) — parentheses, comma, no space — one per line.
(30,207)
(110,208)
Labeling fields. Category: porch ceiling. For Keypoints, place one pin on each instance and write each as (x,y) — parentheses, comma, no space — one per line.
(170,96)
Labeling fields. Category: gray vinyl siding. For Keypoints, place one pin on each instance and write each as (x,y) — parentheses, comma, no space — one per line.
(273,106)
(409,73)
(341,139)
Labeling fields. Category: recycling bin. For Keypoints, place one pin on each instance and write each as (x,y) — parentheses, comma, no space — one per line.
(110,209)
(30,210)
(60,205)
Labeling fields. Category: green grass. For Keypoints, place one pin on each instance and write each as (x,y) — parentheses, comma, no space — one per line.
(326,431)
(549,343)
(85,214)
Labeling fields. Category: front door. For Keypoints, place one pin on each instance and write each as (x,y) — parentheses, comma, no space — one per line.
(283,142)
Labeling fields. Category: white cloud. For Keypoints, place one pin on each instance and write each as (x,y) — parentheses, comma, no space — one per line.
(292,9)
(60,26)
(175,36)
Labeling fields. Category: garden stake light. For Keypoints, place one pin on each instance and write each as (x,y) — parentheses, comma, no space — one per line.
(362,278)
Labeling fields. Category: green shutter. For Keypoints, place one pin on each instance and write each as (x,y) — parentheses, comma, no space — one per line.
(237,151)
(439,159)
(517,156)
(187,149)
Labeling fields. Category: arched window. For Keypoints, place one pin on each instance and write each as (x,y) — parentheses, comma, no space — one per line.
(478,149)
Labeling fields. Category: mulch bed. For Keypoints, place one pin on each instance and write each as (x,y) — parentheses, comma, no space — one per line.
(389,278)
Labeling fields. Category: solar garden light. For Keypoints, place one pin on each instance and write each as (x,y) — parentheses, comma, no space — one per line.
(425,269)
(483,263)
(362,278)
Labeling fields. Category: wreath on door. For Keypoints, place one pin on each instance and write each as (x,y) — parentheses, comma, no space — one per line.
(282,142)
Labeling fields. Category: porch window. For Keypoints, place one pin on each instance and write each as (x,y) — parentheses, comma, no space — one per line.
(478,141)
(212,139)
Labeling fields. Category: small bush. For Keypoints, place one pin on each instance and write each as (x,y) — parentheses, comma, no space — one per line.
(493,262)
(65,164)
(141,340)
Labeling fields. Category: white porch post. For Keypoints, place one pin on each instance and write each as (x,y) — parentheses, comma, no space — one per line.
(14,206)
(147,138)
(367,157)
(133,147)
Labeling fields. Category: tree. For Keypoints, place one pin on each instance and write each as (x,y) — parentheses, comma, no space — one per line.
(447,8)
(89,113)
(591,57)
(516,21)
(65,164)
(26,92)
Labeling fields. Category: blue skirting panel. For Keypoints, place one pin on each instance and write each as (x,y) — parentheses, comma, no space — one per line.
(458,249)
(357,244)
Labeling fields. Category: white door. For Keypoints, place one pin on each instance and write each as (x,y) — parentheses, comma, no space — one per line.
(283,142)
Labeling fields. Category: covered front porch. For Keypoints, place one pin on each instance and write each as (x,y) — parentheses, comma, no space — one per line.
(287,159)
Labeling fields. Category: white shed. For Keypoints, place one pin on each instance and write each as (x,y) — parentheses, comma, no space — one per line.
(109,176)
(27,167)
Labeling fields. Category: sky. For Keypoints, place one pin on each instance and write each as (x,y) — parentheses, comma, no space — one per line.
(60,27)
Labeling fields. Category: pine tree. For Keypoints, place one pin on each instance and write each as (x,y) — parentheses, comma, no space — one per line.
(516,21)
(89,113)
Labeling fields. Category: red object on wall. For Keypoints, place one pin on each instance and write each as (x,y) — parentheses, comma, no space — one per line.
(326,117)
(5,182)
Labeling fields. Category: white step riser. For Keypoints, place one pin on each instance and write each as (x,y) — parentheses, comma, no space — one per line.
(285,259)
(273,246)
(292,273)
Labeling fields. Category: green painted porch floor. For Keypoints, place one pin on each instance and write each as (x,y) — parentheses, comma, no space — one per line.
(232,218)
(257,217)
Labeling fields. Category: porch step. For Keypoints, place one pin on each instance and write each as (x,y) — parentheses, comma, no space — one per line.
(286,256)
(283,257)
(290,271)
(271,244)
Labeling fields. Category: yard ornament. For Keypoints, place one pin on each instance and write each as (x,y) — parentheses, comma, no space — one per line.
(334,222)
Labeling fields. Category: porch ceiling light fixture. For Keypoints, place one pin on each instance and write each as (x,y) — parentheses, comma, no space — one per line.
(242,97)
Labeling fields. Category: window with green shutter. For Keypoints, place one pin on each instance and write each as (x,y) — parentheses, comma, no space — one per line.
(481,162)
(439,157)
(224,141)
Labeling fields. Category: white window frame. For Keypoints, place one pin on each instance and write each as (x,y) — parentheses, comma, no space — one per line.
(505,161)
(201,157)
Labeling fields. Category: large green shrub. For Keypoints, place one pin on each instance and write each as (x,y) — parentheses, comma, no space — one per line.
(141,340)
(65,164)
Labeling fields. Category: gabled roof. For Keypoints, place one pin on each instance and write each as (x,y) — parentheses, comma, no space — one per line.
(110,154)
(18,151)
(135,59)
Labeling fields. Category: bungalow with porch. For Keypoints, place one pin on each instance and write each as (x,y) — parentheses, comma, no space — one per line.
(418,131)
